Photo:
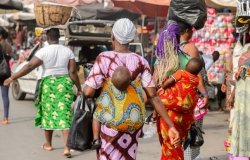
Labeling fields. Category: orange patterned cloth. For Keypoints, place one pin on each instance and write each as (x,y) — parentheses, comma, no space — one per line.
(180,101)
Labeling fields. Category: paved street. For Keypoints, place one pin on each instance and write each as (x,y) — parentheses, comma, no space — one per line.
(20,140)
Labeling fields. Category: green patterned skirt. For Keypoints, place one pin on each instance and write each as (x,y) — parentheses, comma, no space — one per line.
(54,103)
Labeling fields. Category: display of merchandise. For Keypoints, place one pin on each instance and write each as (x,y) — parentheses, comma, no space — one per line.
(216,35)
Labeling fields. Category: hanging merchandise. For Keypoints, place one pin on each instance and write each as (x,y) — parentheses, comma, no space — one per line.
(216,35)
(242,15)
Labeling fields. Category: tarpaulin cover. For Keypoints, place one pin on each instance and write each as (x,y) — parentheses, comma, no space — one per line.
(192,12)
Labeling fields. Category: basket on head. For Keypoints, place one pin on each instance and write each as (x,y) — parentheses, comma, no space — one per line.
(50,14)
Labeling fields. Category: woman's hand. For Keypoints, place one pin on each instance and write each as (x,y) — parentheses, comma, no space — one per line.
(237,75)
(230,103)
(79,93)
(223,88)
(174,136)
(8,81)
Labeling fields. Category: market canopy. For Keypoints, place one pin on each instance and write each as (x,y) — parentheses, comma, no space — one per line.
(4,22)
(66,2)
(151,8)
(218,4)
(11,4)
(99,11)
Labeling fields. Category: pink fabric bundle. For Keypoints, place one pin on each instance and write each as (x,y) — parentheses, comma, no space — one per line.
(200,109)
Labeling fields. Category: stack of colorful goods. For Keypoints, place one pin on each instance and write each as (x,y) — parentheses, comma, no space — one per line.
(217,35)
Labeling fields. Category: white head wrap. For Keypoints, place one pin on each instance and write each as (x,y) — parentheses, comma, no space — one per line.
(124,31)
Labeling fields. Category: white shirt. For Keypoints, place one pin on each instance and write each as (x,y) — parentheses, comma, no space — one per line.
(208,59)
(55,59)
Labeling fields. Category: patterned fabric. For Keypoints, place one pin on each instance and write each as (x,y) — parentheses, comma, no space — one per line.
(180,101)
(54,103)
(200,109)
(183,96)
(191,154)
(118,145)
(107,62)
(229,77)
(182,123)
(240,121)
(240,143)
(121,110)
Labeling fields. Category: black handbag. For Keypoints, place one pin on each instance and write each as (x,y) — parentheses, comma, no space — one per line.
(4,68)
(196,137)
(80,132)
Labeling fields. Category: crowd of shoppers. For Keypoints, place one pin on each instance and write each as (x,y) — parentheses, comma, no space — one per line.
(121,112)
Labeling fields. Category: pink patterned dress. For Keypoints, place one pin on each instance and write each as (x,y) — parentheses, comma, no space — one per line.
(118,144)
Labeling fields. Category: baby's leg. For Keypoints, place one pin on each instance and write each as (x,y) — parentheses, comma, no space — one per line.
(96,127)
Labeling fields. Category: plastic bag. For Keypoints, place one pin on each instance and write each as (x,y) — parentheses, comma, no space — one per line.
(149,130)
(192,12)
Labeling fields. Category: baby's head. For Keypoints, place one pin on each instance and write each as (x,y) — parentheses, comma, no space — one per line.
(194,66)
(121,78)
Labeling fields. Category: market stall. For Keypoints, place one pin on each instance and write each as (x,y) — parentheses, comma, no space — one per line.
(216,35)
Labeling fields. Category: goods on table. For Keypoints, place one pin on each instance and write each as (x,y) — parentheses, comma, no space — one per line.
(51,14)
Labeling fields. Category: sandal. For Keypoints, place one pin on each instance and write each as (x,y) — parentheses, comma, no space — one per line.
(46,148)
(5,121)
(67,155)
(96,144)
(213,158)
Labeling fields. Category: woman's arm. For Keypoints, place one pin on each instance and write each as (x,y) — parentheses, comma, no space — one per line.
(159,107)
(88,91)
(35,62)
(230,101)
(73,75)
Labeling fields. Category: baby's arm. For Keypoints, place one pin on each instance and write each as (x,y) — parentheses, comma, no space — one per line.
(168,82)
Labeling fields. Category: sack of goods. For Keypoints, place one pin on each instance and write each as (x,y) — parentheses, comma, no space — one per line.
(51,14)
(192,12)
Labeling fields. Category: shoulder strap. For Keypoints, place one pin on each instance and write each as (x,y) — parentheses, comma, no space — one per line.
(182,44)
(2,51)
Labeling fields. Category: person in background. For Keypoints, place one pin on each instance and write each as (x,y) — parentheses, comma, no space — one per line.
(56,89)
(20,38)
(30,39)
(210,59)
(12,42)
(5,50)
(240,146)
(122,136)
(150,57)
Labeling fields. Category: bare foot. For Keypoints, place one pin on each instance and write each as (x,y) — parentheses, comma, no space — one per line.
(46,147)
(5,121)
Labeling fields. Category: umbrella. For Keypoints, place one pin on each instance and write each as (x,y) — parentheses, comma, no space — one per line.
(4,22)
(98,11)
(232,4)
(66,2)
(23,16)
(11,4)
(150,8)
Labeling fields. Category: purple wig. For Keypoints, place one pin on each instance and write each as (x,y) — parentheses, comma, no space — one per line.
(171,32)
